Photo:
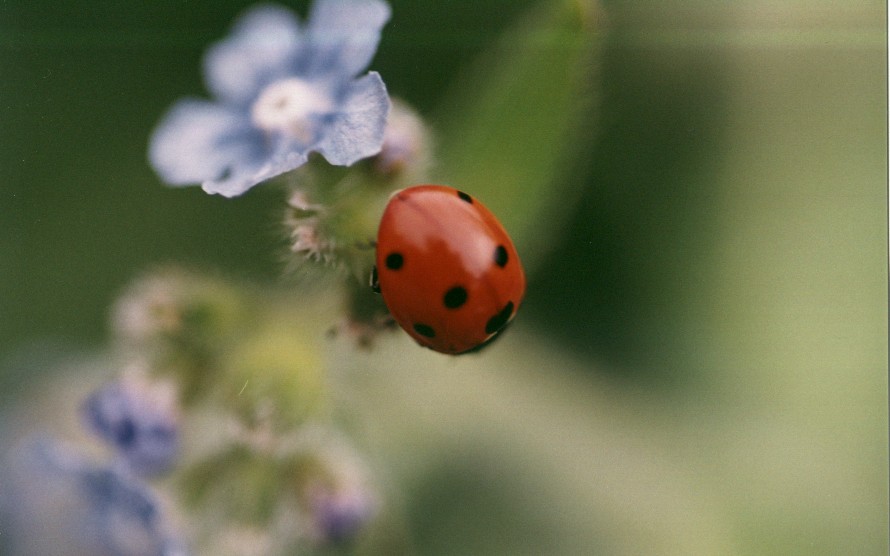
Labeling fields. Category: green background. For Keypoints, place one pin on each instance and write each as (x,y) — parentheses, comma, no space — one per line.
(728,252)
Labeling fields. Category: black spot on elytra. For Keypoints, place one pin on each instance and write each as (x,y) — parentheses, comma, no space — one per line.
(498,321)
(455,297)
(394,261)
(500,256)
(425,330)
(464,197)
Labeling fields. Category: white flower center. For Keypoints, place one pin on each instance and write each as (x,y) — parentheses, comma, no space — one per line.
(288,106)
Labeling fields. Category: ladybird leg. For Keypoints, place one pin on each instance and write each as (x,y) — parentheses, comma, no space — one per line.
(365,245)
(374,282)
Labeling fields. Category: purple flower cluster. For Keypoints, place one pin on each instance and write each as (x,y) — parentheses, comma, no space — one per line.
(139,421)
(59,502)
(56,500)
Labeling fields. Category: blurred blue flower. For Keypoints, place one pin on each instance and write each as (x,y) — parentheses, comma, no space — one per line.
(340,514)
(139,420)
(283,90)
(61,503)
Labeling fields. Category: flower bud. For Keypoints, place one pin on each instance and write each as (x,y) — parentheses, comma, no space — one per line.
(405,149)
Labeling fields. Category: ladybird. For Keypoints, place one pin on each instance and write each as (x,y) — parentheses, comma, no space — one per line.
(446,268)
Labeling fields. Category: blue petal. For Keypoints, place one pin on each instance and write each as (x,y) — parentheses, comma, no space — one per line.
(108,490)
(344,34)
(262,47)
(199,141)
(67,504)
(356,132)
(286,156)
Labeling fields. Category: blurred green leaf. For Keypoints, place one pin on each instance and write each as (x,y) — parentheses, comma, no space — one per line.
(511,129)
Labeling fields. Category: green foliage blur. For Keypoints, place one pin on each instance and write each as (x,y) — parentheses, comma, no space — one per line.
(701,363)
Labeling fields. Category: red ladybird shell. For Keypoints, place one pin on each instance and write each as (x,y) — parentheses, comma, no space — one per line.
(446,268)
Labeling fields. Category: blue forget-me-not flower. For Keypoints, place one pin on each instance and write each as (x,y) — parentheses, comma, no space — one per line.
(139,420)
(283,90)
